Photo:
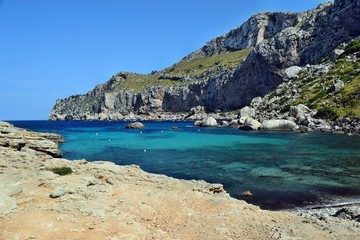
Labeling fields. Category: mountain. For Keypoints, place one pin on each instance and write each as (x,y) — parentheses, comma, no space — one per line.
(267,51)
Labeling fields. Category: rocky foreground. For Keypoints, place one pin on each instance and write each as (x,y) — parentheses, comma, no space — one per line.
(100,200)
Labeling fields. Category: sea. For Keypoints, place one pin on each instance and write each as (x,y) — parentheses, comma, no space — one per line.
(283,170)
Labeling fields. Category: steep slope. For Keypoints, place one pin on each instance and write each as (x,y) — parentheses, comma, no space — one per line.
(323,96)
(330,90)
(225,74)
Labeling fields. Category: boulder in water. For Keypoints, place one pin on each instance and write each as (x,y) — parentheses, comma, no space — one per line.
(135,125)
(246,194)
(209,122)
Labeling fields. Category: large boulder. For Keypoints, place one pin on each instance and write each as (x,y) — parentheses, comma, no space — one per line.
(234,123)
(242,120)
(224,124)
(247,111)
(251,125)
(279,125)
(302,114)
(293,71)
(209,122)
(135,125)
(301,109)
(336,54)
(198,123)
(337,86)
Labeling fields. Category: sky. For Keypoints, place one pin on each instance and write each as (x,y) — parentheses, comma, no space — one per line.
(51,49)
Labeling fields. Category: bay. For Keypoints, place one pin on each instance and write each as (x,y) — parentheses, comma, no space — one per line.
(282,169)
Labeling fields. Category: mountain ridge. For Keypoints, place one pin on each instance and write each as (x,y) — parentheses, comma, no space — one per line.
(262,49)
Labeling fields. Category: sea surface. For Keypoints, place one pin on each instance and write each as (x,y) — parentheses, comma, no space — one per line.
(283,170)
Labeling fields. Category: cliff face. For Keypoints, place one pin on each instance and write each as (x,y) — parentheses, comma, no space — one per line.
(228,72)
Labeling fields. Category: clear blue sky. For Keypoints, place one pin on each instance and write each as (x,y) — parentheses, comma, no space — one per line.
(52,49)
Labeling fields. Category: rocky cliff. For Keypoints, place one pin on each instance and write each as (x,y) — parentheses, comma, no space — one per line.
(225,74)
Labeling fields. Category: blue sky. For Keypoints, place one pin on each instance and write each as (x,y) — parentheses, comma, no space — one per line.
(52,49)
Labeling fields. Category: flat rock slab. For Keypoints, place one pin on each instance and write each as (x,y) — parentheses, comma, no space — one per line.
(7,204)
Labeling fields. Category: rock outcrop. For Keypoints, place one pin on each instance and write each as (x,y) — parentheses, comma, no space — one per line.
(279,45)
(100,200)
(209,122)
(135,125)
(321,97)
(279,125)
(26,141)
(250,124)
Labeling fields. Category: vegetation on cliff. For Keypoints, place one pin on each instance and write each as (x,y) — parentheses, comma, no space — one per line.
(320,92)
(198,66)
(247,62)
(331,87)
(182,73)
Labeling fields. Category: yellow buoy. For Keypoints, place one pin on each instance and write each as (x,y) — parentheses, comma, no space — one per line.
(145,150)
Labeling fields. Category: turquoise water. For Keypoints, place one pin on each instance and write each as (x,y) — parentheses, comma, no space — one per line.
(281,169)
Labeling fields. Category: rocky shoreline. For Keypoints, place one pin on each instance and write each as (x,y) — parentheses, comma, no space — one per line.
(349,210)
(299,118)
(101,200)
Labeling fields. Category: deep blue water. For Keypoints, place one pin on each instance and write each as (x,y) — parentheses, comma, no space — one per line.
(281,169)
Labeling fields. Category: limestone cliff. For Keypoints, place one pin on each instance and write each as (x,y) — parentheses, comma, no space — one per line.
(225,74)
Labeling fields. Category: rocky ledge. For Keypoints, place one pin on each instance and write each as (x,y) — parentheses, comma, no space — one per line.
(26,141)
(101,200)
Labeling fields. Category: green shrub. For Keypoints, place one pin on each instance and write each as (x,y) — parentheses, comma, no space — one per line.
(285,109)
(353,46)
(62,171)
(327,113)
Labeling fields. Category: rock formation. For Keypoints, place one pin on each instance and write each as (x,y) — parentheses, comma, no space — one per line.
(135,125)
(209,122)
(100,200)
(26,141)
(279,124)
(249,61)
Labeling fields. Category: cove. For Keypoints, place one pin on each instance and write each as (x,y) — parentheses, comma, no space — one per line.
(282,169)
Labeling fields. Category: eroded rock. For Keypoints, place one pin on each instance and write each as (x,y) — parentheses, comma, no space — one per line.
(135,125)
(209,122)
(279,125)
(7,204)
(251,124)
(57,192)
